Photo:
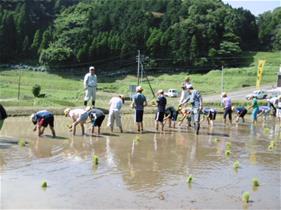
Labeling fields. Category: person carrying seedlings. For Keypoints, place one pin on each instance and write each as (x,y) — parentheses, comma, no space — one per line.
(3,115)
(255,108)
(272,102)
(209,114)
(96,116)
(264,111)
(41,120)
(241,111)
(139,102)
(227,107)
(171,115)
(115,113)
(161,105)
(78,116)
(197,106)
(90,86)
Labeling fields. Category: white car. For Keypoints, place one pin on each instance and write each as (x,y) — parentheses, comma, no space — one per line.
(259,94)
(172,93)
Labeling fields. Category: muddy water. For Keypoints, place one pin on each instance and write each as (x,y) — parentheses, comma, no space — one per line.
(149,173)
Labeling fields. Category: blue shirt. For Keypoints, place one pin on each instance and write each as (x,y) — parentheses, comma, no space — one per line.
(196,99)
(139,100)
(161,103)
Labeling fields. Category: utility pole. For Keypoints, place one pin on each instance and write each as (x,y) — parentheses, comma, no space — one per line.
(138,60)
(19,84)
(222,85)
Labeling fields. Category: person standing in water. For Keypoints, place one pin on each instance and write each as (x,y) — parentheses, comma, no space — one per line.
(90,86)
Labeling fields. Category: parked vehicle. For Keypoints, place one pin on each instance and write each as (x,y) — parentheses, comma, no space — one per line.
(172,93)
(259,94)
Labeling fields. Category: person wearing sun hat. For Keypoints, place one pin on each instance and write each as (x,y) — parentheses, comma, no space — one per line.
(78,116)
(138,103)
(41,120)
(161,105)
(116,104)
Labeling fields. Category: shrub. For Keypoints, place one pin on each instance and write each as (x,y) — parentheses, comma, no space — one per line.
(36,90)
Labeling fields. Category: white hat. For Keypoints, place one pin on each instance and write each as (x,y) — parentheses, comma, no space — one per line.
(189,86)
(92,68)
(33,118)
(139,89)
(66,111)
(161,91)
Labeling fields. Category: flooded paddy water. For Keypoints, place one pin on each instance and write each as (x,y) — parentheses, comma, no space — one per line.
(147,173)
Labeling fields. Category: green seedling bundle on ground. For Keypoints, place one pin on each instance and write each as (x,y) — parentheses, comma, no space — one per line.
(95,160)
(255,182)
(44,184)
(236,164)
(228,145)
(189,179)
(21,143)
(227,152)
(246,197)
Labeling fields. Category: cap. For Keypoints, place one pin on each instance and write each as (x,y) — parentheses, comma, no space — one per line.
(66,111)
(122,96)
(161,91)
(91,68)
(189,86)
(139,89)
(33,118)
(223,94)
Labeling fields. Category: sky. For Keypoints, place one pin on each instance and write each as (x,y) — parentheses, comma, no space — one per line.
(256,7)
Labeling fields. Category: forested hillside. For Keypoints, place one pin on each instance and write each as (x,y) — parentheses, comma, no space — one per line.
(61,33)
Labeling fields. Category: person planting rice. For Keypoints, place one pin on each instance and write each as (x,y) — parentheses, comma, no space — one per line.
(210,115)
(186,114)
(184,93)
(264,111)
(255,108)
(272,102)
(78,116)
(115,113)
(161,105)
(41,120)
(96,116)
(241,111)
(171,115)
(3,115)
(139,102)
(227,108)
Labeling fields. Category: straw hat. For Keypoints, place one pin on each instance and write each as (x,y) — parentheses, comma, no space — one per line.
(223,94)
(88,108)
(122,96)
(66,111)
(161,91)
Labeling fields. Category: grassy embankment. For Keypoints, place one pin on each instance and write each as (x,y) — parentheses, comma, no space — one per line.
(68,92)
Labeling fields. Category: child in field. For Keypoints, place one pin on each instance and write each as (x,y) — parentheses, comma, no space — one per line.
(115,113)
(264,110)
(78,116)
(161,105)
(255,108)
(227,108)
(241,111)
(139,102)
(186,114)
(171,115)
(96,116)
(210,115)
(279,109)
(42,119)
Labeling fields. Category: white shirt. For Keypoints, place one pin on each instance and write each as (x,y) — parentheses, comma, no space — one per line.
(115,104)
(90,80)
(273,100)
(76,113)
